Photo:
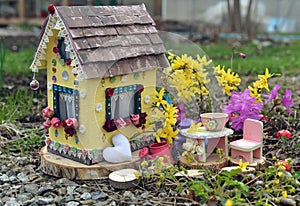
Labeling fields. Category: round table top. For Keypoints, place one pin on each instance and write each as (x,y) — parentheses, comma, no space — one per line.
(203,133)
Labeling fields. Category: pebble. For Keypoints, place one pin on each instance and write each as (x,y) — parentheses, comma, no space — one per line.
(86,196)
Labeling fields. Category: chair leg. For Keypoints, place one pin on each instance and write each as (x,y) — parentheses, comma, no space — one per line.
(248,156)
(257,153)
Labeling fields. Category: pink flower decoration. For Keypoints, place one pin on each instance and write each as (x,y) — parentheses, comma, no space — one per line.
(144,152)
(47,112)
(47,124)
(72,122)
(84,152)
(273,93)
(135,119)
(55,122)
(67,147)
(48,141)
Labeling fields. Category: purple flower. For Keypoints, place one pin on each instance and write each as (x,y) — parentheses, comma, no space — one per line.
(243,55)
(287,100)
(245,106)
(181,112)
(273,93)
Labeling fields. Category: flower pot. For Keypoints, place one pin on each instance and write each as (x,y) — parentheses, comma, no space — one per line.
(161,149)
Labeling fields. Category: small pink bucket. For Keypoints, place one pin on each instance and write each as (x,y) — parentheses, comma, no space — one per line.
(161,149)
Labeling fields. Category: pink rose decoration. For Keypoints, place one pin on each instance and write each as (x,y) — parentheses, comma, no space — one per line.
(72,122)
(144,152)
(84,152)
(135,119)
(55,122)
(47,124)
(47,112)
(67,148)
(48,141)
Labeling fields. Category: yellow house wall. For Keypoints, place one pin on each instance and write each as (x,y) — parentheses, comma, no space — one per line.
(94,136)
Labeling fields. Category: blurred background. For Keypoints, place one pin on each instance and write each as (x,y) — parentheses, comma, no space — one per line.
(193,16)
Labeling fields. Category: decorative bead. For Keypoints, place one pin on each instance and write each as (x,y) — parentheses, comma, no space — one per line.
(54,78)
(65,75)
(136,75)
(51,9)
(54,62)
(55,50)
(54,70)
(76,140)
(98,107)
(68,62)
(112,79)
(49,86)
(82,93)
(76,83)
(124,78)
(62,62)
(34,84)
(147,99)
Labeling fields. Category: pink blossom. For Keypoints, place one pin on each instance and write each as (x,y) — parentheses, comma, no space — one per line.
(273,94)
(243,55)
(55,122)
(47,112)
(47,124)
(72,122)
(287,100)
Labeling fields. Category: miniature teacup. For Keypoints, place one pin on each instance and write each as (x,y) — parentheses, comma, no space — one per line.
(214,121)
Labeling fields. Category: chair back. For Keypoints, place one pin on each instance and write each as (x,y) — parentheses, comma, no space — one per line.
(253,130)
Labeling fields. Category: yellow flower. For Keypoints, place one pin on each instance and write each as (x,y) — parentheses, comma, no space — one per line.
(229,202)
(292,190)
(279,174)
(243,166)
(284,194)
(194,127)
(137,174)
(158,100)
(144,163)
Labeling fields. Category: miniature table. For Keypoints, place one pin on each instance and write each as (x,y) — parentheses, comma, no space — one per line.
(219,139)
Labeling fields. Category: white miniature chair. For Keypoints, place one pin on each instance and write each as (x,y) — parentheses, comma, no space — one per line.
(251,145)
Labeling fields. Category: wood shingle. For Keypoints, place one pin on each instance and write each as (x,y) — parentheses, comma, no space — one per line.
(113,40)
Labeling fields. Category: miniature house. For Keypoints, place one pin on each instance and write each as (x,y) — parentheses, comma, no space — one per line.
(101,66)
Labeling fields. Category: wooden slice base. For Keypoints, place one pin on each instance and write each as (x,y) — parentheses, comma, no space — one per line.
(58,166)
(123,179)
(211,163)
(257,163)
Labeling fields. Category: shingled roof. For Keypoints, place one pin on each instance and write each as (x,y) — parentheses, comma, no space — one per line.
(113,40)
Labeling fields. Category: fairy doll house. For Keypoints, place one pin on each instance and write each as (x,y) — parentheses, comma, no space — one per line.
(101,66)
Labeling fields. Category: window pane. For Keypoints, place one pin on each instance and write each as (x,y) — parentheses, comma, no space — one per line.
(66,106)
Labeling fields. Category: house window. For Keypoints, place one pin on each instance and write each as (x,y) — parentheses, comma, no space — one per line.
(65,102)
(121,102)
(62,49)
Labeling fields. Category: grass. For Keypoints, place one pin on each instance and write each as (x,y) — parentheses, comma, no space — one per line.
(277,58)
(18,62)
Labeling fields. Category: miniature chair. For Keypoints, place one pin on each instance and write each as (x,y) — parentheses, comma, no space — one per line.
(251,145)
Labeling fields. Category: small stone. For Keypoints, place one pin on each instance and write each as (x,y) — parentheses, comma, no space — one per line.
(147,203)
(113,203)
(23,177)
(86,196)
(62,191)
(102,203)
(98,195)
(87,202)
(70,189)
(129,195)
(45,200)
(72,203)
(3,168)
(64,181)
(24,197)
(45,189)
(69,198)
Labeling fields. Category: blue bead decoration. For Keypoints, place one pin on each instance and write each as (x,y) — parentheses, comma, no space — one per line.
(56,133)
(76,140)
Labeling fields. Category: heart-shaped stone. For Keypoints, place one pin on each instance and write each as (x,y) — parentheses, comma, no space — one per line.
(120,152)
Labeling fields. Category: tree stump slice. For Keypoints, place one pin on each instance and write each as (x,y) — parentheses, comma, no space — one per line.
(59,166)
(123,179)
(211,163)
(257,163)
